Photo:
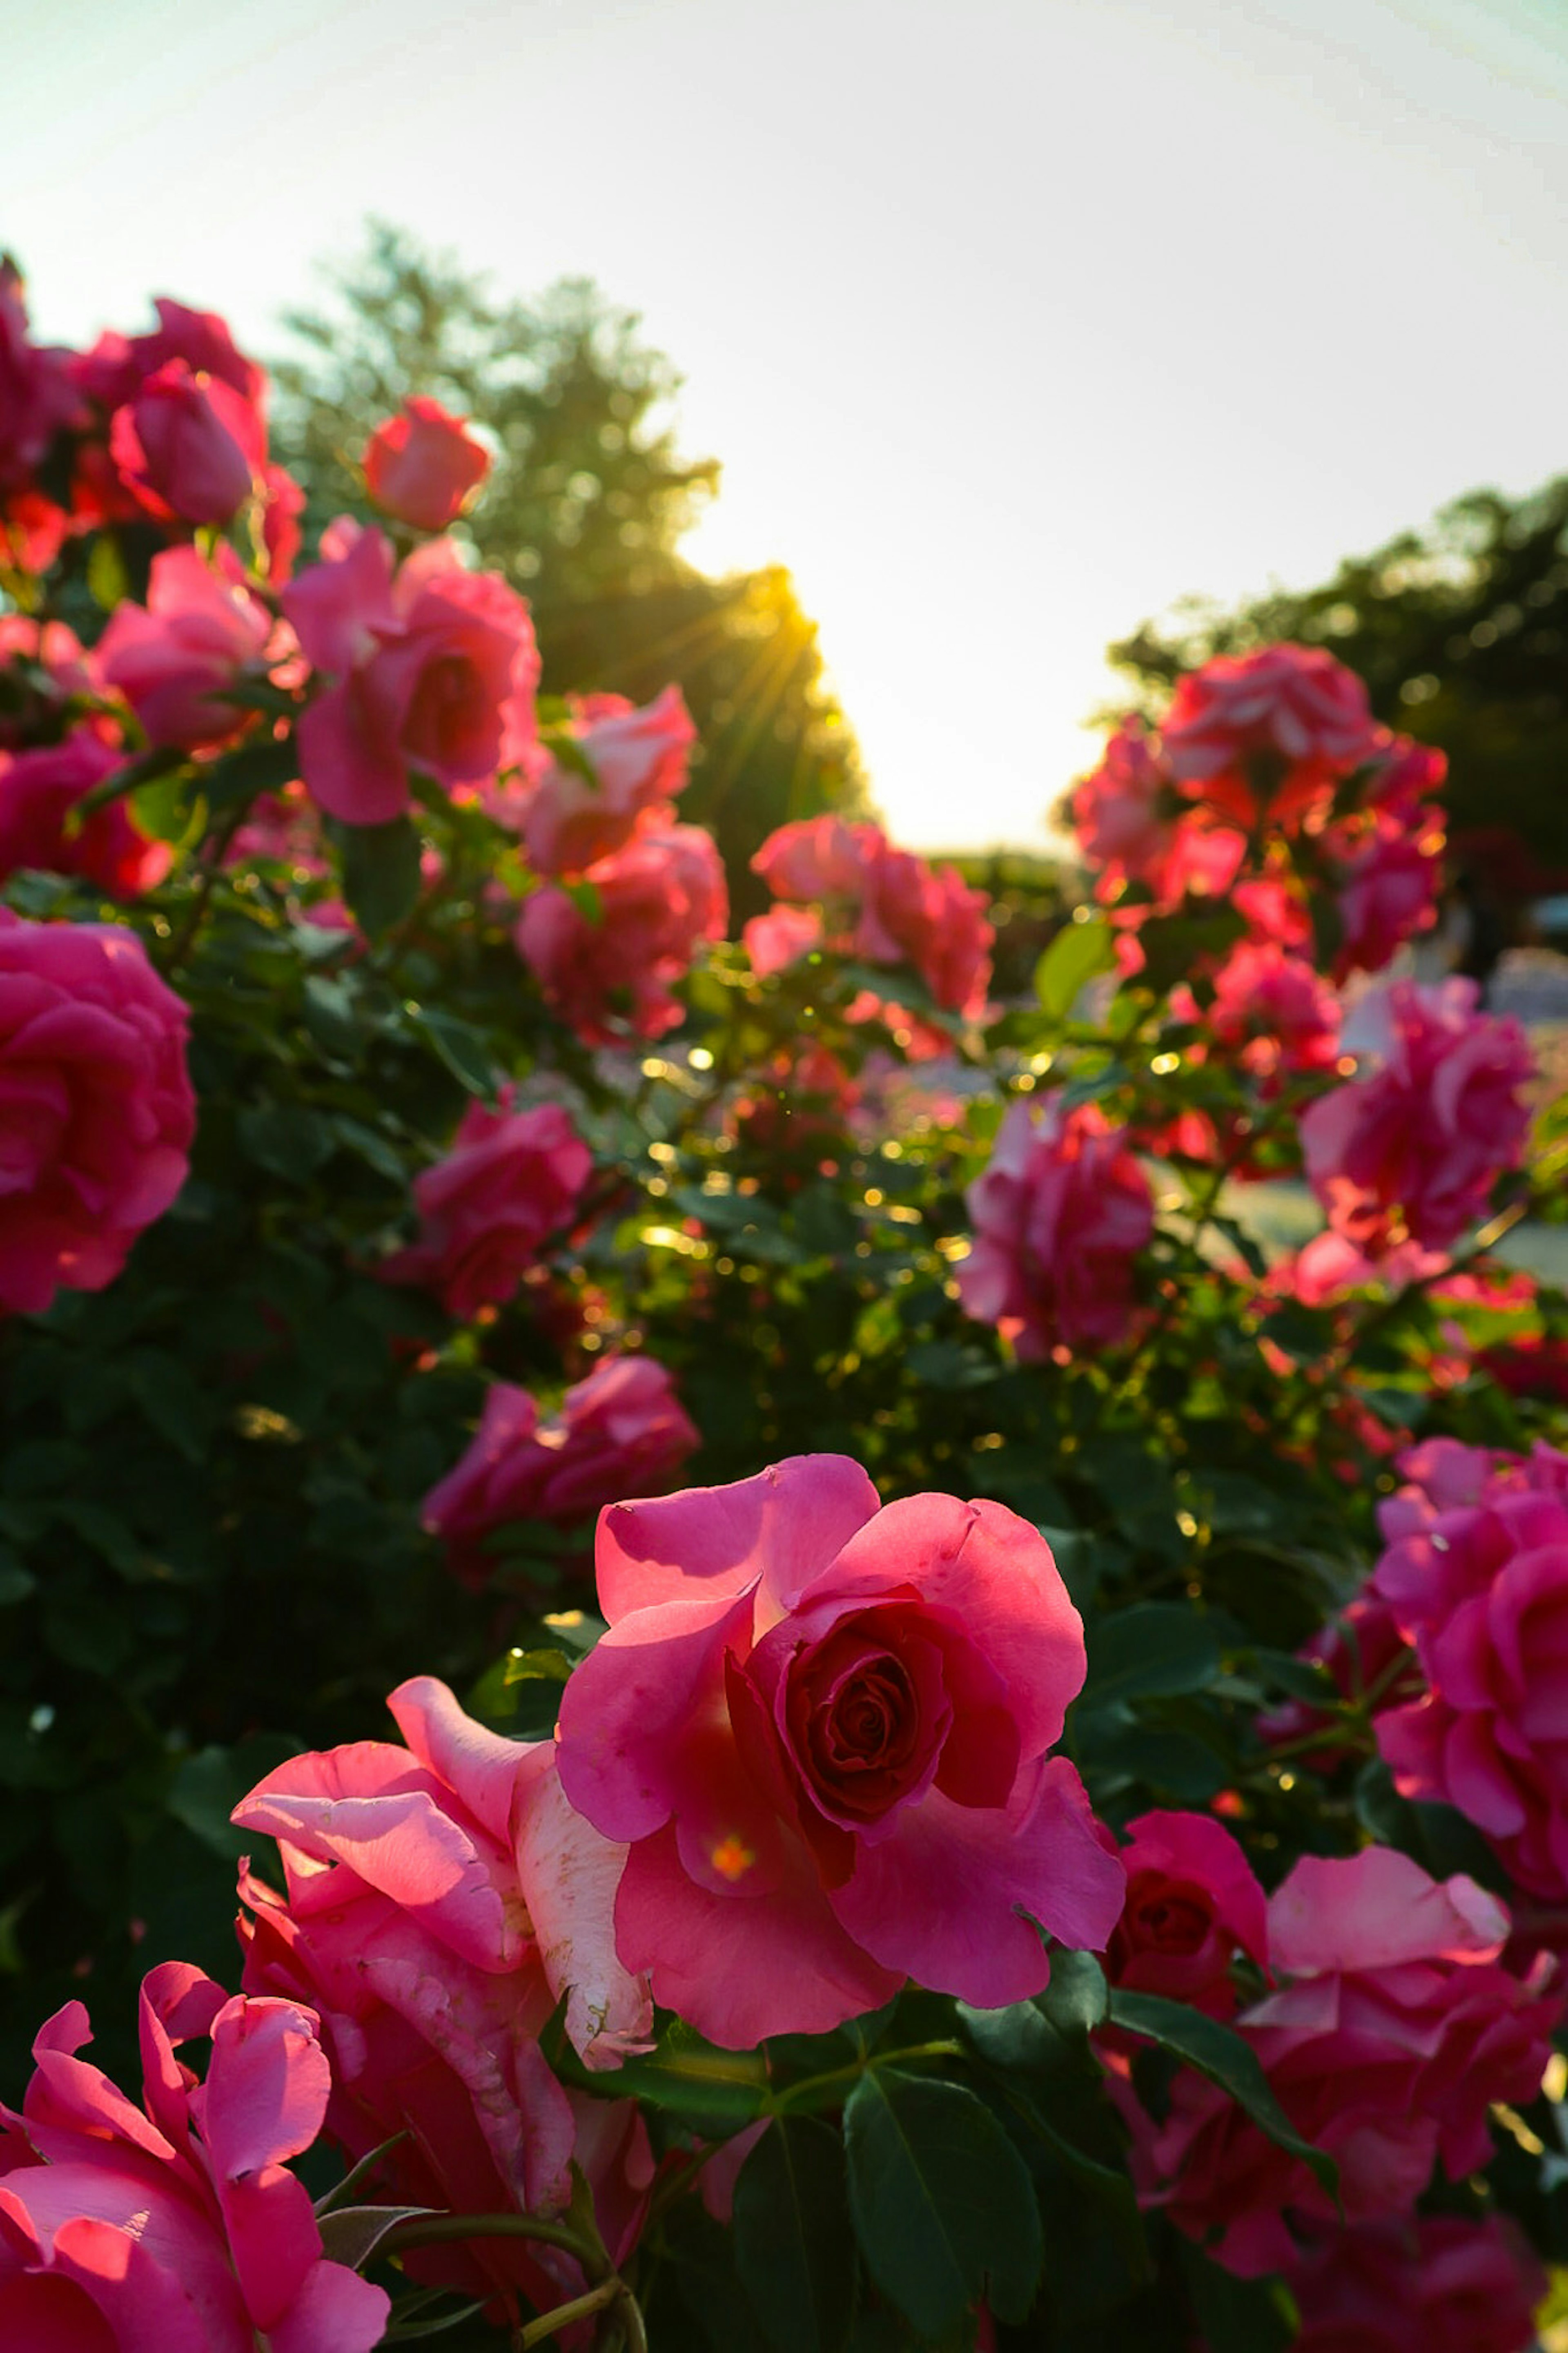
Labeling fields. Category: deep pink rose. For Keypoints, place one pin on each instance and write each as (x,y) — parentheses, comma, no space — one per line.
(1425,2284)
(1193,1905)
(282,505)
(1060,1213)
(1433,1117)
(113,371)
(927,917)
(1272,1014)
(613,972)
(621,1431)
(175,2227)
(442,1899)
(779,938)
(202,632)
(435,670)
(1133,827)
(38,792)
(638,760)
(1479,1583)
(823,1726)
(38,398)
(96,1107)
(188,445)
(1394,2030)
(1330,1266)
(422,467)
(816,858)
(1388,876)
(1265,736)
(511,1179)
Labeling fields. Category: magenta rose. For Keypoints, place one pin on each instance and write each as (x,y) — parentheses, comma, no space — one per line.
(1394,2030)
(927,917)
(822,1727)
(38,398)
(421,468)
(638,761)
(1425,2283)
(621,1431)
(442,1900)
(1266,736)
(1273,1014)
(1133,826)
(1192,1907)
(511,1179)
(97,1112)
(817,858)
(1060,1213)
(1480,1584)
(188,446)
(39,791)
(112,372)
(1387,877)
(1433,1117)
(433,666)
(177,2224)
(613,972)
(201,633)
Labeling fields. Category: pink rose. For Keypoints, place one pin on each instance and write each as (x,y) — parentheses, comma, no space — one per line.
(620,1431)
(201,631)
(282,505)
(929,917)
(1060,1213)
(1265,736)
(822,1727)
(637,760)
(113,371)
(1430,1121)
(188,445)
(779,938)
(95,1107)
(816,858)
(1133,826)
(38,792)
(38,398)
(1479,1583)
(1424,2283)
(1272,1013)
(511,1180)
(435,668)
(175,2224)
(658,900)
(1388,878)
(1193,1906)
(1394,2030)
(442,1900)
(422,467)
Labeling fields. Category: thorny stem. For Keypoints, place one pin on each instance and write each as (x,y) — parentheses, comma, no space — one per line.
(808,2092)
(218,842)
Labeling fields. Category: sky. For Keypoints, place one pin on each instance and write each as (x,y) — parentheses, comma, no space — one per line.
(1011,321)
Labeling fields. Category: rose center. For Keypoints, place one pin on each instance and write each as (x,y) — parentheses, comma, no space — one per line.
(1174,1923)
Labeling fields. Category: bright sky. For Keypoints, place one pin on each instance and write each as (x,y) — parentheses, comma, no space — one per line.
(1010,320)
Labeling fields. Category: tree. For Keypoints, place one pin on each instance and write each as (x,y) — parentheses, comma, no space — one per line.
(583,511)
(1461,633)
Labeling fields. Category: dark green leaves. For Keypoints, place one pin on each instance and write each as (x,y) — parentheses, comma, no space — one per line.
(795,2246)
(1155,1650)
(381,872)
(944,2207)
(1220,2054)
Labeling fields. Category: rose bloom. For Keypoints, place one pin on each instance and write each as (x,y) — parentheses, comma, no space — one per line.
(1394,2030)
(1132,826)
(822,1728)
(1388,880)
(38,398)
(201,631)
(511,1179)
(175,2224)
(442,1901)
(780,937)
(187,447)
(422,467)
(1433,1117)
(1425,2283)
(1478,1581)
(435,668)
(1272,1013)
(658,900)
(816,858)
(929,917)
(1193,1906)
(1060,1214)
(1265,736)
(620,1431)
(112,372)
(39,791)
(639,761)
(96,1107)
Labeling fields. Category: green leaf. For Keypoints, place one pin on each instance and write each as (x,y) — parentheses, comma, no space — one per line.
(1154,1649)
(458,1045)
(795,2246)
(168,807)
(1220,2053)
(107,581)
(715,2092)
(264,764)
(1237,2315)
(381,872)
(209,1785)
(285,1139)
(1078,952)
(942,2200)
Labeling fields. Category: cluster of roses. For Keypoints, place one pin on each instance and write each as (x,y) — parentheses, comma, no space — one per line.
(1269,788)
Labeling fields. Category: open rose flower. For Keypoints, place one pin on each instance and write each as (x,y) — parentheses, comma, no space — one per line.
(442,1900)
(1432,1118)
(175,2224)
(1193,1906)
(96,1108)
(822,1728)
(614,970)
(432,667)
(511,1179)
(421,468)
(638,761)
(201,633)
(39,793)
(1060,1213)
(1423,2284)
(1273,1014)
(620,1431)
(1394,2030)
(1265,736)
(906,911)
